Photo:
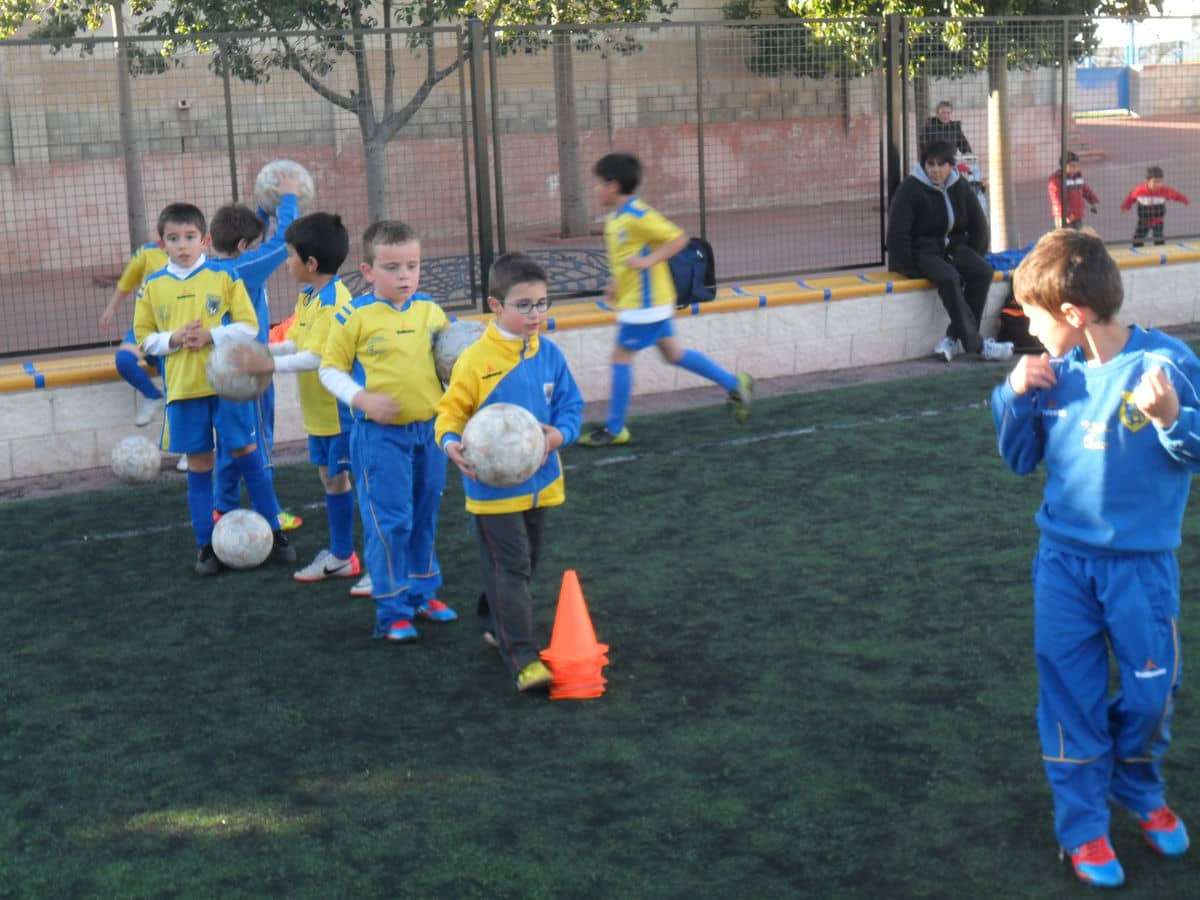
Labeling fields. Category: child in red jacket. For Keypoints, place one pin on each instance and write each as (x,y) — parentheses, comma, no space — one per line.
(1070,214)
(1151,199)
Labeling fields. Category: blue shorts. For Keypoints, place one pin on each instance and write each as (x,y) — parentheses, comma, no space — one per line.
(640,335)
(157,361)
(331,451)
(190,424)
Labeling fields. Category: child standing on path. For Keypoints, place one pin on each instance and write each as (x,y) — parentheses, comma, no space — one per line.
(1070,214)
(1113,413)
(640,241)
(511,364)
(1151,198)
(378,360)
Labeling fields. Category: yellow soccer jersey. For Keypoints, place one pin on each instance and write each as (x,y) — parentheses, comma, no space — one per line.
(310,330)
(637,230)
(389,351)
(167,303)
(146,260)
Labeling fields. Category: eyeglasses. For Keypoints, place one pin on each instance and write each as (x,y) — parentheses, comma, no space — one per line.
(525,307)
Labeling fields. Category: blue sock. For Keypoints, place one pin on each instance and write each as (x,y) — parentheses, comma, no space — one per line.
(200,505)
(340,510)
(259,486)
(618,403)
(127,366)
(701,365)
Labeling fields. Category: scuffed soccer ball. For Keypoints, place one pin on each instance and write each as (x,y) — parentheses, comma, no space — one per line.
(451,341)
(504,443)
(242,539)
(228,380)
(136,459)
(266,185)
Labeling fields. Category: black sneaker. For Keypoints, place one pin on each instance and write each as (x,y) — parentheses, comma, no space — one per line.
(206,561)
(281,550)
(602,437)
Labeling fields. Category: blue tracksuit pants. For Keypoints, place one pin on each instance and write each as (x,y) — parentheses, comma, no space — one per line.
(1096,747)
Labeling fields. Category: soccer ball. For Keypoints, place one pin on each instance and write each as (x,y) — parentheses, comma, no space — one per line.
(136,459)
(452,341)
(504,443)
(228,380)
(242,539)
(266,185)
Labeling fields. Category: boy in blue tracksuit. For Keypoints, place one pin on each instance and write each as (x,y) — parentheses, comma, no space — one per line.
(1114,414)
(234,230)
(511,364)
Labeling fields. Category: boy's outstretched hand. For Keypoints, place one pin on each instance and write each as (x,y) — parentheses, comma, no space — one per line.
(1032,373)
(454,450)
(1155,397)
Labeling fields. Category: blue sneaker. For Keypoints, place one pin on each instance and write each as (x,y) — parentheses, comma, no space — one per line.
(1096,864)
(401,630)
(436,611)
(1164,831)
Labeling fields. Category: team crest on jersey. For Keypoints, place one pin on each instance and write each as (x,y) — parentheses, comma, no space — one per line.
(376,345)
(548,390)
(212,303)
(1131,417)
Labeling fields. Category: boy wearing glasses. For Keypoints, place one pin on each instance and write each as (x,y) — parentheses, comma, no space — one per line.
(378,360)
(510,363)
(640,240)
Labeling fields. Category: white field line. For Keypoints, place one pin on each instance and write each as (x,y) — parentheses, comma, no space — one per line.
(603,458)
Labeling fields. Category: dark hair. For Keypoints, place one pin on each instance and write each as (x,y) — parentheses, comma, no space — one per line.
(1154,172)
(232,224)
(181,214)
(944,104)
(510,270)
(938,152)
(1069,266)
(320,236)
(1071,157)
(385,231)
(623,168)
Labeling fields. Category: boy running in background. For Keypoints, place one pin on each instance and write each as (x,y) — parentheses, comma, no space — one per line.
(183,311)
(317,245)
(378,361)
(235,229)
(1113,413)
(510,363)
(146,260)
(1151,198)
(640,241)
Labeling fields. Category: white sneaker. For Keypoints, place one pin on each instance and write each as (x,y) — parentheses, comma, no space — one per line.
(362,587)
(996,351)
(326,565)
(147,409)
(181,466)
(946,348)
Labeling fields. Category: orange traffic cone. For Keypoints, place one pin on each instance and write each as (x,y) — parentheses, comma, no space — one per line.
(575,656)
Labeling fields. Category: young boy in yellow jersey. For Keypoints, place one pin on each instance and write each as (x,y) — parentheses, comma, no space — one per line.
(378,360)
(317,245)
(640,241)
(129,357)
(182,311)
(510,363)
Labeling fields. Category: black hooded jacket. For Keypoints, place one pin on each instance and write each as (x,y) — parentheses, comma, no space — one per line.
(919,220)
(951,132)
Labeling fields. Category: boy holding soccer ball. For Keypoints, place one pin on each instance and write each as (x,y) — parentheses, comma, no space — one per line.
(1113,413)
(182,312)
(640,240)
(510,363)
(378,360)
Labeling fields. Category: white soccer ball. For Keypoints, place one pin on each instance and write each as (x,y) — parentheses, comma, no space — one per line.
(228,380)
(136,459)
(242,539)
(504,443)
(266,185)
(451,341)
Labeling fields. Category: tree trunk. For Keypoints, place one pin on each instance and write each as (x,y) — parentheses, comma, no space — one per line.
(135,196)
(375,163)
(1000,172)
(572,198)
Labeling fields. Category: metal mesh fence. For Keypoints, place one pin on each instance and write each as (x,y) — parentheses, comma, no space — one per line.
(766,137)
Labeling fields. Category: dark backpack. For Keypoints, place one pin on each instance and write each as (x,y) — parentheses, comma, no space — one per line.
(694,273)
(1014,327)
